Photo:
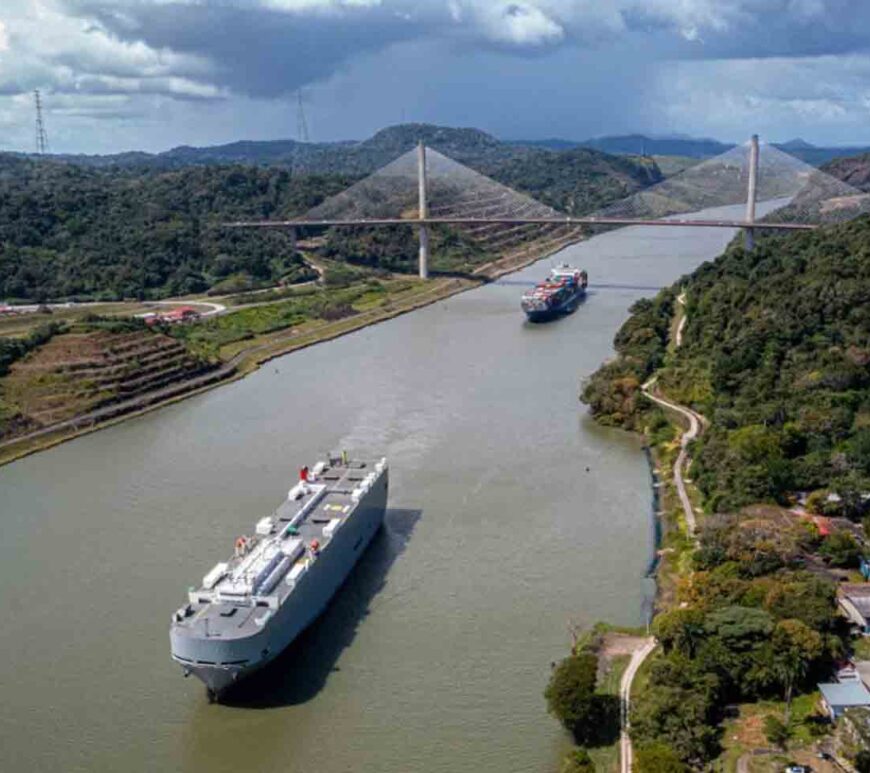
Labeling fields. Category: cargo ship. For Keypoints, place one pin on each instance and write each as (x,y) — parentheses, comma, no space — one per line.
(250,607)
(559,294)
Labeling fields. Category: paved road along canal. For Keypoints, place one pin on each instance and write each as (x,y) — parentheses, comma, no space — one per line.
(434,656)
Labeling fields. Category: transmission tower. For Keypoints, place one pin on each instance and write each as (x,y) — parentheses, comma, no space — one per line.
(41,136)
(301,123)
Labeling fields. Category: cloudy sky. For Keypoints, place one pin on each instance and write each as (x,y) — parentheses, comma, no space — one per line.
(153,74)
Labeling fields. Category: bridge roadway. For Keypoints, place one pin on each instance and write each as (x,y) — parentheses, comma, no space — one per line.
(581,221)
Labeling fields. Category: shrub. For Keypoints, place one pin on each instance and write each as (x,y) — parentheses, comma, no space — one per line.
(776,731)
(577,761)
(658,758)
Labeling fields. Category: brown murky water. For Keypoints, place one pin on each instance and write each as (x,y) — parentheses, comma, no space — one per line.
(434,656)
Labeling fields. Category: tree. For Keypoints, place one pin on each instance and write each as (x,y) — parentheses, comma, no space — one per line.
(859,450)
(571,688)
(591,717)
(796,646)
(679,630)
(679,709)
(658,758)
(577,761)
(841,549)
(804,597)
(776,731)
(862,761)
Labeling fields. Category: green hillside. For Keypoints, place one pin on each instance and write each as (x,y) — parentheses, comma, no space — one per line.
(84,231)
(776,354)
(68,231)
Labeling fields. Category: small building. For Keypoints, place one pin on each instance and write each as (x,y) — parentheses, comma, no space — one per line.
(836,698)
(180,314)
(174,316)
(847,672)
(854,600)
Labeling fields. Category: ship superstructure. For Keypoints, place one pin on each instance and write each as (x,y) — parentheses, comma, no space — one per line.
(558,294)
(251,606)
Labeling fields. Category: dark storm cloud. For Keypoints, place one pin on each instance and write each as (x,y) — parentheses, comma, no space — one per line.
(260,52)
(266,49)
(220,69)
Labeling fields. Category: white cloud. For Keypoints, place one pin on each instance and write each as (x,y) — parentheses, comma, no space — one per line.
(747,56)
(55,51)
(514,23)
(317,6)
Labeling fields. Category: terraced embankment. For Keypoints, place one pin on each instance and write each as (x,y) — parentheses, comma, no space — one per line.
(514,246)
(79,383)
(78,373)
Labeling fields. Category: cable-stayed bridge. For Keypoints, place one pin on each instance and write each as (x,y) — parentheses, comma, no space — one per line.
(424,188)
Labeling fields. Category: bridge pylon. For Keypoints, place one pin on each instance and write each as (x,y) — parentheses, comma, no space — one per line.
(423,210)
(751,193)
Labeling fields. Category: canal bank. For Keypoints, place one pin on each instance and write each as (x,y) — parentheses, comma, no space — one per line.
(435,655)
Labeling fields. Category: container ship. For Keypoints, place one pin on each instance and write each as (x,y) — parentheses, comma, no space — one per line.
(250,607)
(559,294)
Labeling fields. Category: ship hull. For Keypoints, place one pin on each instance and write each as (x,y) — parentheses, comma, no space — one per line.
(220,664)
(566,306)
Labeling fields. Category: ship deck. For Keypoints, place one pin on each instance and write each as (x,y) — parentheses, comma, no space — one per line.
(231,609)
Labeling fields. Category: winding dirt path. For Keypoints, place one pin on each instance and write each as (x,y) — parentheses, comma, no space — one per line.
(648,646)
(637,659)
(695,423)
(678,339)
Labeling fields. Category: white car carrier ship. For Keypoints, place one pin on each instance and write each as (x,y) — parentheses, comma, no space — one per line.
(250,607)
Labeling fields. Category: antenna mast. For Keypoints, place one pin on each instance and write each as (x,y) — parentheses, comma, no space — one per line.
(301,123)
(41,135)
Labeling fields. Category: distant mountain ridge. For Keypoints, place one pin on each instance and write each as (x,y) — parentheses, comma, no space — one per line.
(691,147)
(346,157)
(467,145)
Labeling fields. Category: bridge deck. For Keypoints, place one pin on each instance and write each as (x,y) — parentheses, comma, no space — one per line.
(582,221)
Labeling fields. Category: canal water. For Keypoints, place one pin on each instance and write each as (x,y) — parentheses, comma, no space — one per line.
(512,518)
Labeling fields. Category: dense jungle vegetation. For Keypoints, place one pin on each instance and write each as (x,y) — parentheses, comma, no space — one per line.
(578,181)
(776,355)
(68,231)
(88,230)
(752,625)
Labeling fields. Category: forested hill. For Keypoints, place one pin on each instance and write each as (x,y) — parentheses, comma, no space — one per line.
(578,181)
(776,353)
(68,230)
(854,170)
